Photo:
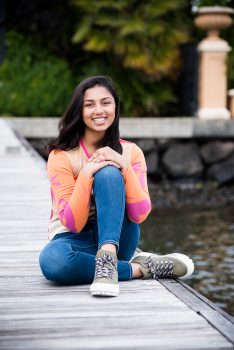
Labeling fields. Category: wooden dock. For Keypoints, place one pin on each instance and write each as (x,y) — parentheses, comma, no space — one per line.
(36,314)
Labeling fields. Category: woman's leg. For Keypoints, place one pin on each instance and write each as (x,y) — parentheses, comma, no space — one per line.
(69,259)
(61,261)
(109,193)
(129,239)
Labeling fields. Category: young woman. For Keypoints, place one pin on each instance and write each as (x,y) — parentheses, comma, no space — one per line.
(99,197)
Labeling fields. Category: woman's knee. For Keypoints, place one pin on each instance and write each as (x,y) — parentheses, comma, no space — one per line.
(53,262)
(108,172)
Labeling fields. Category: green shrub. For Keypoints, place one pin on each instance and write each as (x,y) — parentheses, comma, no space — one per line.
(33,82)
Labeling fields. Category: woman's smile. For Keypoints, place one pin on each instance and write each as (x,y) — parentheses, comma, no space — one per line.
(99,120)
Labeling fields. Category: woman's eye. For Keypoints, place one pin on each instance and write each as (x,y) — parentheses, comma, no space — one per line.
(106,103)
(88,105)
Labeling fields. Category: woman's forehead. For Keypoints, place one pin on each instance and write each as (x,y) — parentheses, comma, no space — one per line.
(97,93)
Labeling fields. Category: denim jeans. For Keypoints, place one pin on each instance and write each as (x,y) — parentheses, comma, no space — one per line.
(70,257)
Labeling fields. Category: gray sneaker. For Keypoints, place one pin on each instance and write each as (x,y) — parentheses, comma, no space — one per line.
(106,275)
(163,266)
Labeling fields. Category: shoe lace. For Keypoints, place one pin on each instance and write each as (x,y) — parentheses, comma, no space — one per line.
(105,266)
(159,269)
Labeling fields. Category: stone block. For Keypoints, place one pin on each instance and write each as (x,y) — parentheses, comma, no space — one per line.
(216,151)
(222,172)
(183,160)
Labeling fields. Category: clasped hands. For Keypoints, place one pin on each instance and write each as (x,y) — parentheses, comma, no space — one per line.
(102,157)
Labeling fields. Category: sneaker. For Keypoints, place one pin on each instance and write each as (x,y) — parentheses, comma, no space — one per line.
(163,266)
(106,275)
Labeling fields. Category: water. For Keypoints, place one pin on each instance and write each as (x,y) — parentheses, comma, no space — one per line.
(205,235)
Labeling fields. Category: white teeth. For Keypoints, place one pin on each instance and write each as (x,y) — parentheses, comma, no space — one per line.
(99,119)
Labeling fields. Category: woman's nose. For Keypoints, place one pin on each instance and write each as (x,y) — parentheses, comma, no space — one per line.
(98,108)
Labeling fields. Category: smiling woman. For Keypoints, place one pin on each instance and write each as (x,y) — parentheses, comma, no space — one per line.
(99,197)
(98,112)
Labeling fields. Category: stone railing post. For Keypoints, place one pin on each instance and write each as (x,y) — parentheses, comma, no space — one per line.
(212,79)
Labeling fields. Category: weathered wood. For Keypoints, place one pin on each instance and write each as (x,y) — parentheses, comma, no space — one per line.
(218,318)
(37,314)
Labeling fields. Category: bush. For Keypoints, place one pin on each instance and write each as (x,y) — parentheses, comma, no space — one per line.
(33,82)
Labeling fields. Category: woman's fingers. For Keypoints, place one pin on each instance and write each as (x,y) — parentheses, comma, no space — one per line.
(107,154)
(97,166)
(104,153)
(114,163)
(106,163)
(101,158)
(90,168)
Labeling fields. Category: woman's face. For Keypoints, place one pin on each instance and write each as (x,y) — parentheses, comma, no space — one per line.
(98,108)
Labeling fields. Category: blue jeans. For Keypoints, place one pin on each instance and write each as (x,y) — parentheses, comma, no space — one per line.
(70,257)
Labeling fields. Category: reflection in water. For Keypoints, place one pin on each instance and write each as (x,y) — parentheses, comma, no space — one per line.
(207,236)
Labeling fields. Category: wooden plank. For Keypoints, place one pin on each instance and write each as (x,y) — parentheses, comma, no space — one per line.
(73,340)
(220,320)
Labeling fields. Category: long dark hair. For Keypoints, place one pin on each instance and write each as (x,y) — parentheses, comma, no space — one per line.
(71,126)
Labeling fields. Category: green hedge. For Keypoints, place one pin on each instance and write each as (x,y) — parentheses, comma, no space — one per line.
(33,82)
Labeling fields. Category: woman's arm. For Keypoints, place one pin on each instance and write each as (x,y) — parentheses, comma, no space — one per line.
(137,195)
(70,196)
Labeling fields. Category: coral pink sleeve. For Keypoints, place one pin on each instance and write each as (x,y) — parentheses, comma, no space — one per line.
(70,196)
(137,194)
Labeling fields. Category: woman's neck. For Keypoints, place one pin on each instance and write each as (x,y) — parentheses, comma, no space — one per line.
(90,139)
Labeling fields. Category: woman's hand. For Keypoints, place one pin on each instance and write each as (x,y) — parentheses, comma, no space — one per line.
(108,154)
(90,168)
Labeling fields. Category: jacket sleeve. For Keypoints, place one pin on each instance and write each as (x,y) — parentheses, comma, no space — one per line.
(70,196)
(137,195)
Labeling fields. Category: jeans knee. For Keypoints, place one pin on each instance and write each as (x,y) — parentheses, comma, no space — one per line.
(108,172)
(53,262)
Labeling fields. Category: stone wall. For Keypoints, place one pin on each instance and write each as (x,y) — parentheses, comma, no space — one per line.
(189,159)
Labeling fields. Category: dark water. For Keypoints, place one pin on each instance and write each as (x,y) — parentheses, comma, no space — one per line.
(205,235)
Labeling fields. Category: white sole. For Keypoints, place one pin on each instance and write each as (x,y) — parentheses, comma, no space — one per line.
(104,289)
(184,258)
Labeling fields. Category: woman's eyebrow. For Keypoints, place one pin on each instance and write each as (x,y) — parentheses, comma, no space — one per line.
(104,98)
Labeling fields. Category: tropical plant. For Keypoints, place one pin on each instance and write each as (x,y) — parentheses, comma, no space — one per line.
(137,44)
(33,82)
(142,35)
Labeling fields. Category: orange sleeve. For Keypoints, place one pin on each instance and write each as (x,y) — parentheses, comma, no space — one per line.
(137,195)
(70,196)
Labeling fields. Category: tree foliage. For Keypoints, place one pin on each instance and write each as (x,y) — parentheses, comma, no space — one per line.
(142,35)
(136,43)
(33,82)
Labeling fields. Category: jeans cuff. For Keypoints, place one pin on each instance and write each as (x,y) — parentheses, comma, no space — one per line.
(109,242)
(130,271)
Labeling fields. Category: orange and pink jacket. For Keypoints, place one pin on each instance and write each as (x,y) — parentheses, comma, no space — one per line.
(71,190)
